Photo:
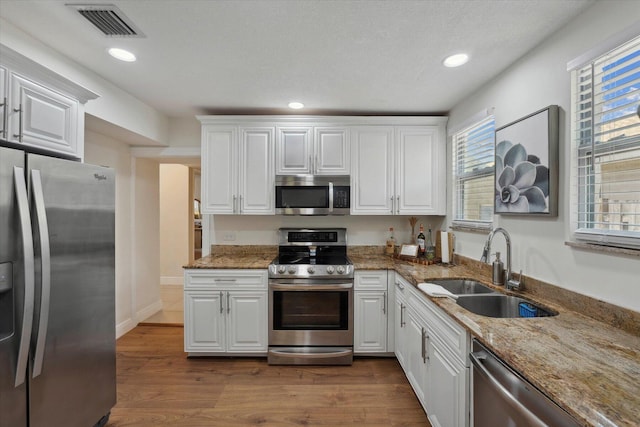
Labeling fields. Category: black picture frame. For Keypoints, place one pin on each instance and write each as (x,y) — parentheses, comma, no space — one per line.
(526,165)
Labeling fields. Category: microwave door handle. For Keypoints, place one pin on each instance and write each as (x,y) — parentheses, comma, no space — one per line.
(330,197)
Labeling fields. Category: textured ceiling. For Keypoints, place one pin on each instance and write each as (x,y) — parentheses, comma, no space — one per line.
(338,57)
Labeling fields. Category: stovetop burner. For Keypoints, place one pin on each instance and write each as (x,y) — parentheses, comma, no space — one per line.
(305,253)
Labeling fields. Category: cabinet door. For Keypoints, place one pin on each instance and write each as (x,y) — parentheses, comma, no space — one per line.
(257,193)
(420,171)
(331,151)
(416,355)
(446,397)
(219,170)
(372,171)
(293,151)
(370,322)
(400,328)
(44,119)
(247,322)
(204,323)
(4,108)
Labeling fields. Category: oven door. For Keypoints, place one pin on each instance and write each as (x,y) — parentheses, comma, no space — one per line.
(304,199)
(310,322)
(306,312)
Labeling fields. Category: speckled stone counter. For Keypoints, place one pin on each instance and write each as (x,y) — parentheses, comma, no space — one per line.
(588,366)
(236,257)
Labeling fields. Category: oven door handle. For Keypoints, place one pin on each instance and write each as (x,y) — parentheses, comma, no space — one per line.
(309,287)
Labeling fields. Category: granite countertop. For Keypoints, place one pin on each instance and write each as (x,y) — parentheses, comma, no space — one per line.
(587,366)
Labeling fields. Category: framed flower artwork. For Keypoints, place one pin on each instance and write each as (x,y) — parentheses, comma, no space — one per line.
(526,168)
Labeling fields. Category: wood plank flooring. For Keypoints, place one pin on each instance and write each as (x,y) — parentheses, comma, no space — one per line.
(159,386)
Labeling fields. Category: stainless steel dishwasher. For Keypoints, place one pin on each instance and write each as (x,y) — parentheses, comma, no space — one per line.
(501,397)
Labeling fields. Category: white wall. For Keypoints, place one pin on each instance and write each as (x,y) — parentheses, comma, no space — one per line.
(105,151)
(537,80)
(175,222)
(146,252)
(361,229)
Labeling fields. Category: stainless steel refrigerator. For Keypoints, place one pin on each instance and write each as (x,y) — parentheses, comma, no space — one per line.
(57,286)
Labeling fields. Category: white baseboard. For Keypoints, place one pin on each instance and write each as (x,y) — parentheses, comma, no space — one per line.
(149,310)
(124,327)
(171,280)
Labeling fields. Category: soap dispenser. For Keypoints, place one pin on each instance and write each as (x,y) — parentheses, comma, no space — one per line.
(498,271)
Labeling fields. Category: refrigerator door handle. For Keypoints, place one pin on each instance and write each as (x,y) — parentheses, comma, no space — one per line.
(20,187)
(45,256)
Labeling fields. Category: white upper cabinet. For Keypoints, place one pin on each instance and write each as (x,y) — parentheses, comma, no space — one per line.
(372,180)
(237,170)
(312,150)
(399,170)
(420,171)
(40,108)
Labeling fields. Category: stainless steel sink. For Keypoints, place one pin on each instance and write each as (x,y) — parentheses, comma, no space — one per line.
(502,306)
(463,286)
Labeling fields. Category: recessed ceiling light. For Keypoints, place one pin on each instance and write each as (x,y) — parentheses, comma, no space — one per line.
(122,55)
(455,60)
(296,105)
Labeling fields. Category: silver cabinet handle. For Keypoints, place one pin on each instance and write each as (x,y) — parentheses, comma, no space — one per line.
(402,322)
(425,343)
(239,204)
(310,163)
(235,203)
(315,164)
(398,205)
(384,302)
(4,117)
(19,134)
(29,274)
(45,270)
(221,308)
(392,205)
(228,306)
(225,280)
(400,285)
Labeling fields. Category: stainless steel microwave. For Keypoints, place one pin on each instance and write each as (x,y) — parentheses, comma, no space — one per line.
(313,195)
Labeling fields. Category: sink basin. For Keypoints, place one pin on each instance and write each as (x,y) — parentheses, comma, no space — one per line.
(502,306)
(463,286)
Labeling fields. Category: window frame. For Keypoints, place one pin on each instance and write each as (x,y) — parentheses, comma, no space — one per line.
(582,190)
(488,171)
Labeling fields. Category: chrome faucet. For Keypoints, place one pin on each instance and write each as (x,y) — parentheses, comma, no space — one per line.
(509,283)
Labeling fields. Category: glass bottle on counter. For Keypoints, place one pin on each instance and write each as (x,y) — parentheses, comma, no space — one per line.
(430,248)
(391,243)
(421,242)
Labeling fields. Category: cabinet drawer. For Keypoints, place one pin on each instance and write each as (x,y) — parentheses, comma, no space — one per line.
(452,335)
(225,279)
(370,280)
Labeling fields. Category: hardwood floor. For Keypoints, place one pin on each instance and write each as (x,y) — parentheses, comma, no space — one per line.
(159,386)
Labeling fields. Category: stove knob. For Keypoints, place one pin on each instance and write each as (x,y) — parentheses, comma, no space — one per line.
(340,269)
(282,269)
(330,269)
(311,270)
(292,269)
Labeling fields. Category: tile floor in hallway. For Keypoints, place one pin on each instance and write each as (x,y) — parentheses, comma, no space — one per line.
(172,306)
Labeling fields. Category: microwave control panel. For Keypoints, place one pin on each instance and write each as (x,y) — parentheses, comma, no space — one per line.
(341,197)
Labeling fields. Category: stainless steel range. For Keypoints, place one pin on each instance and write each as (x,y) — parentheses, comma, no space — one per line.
(311,299)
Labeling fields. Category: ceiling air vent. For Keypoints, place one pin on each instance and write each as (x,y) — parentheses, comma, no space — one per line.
(108,19)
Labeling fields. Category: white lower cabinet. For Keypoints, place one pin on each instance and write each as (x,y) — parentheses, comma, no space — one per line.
(225,311)
(371,310)
(432,349)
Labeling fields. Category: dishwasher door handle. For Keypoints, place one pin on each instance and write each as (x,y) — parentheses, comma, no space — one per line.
(476,360)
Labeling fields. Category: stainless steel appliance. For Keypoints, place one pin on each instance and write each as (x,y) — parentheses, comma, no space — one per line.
(501,397)
(312,195)
(57,285)
(311,299)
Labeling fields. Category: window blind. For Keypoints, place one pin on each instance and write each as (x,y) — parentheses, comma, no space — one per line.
(606,115)
(473,169)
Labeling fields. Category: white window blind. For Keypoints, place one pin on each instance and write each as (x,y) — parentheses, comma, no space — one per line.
(606,148)
(473,169)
